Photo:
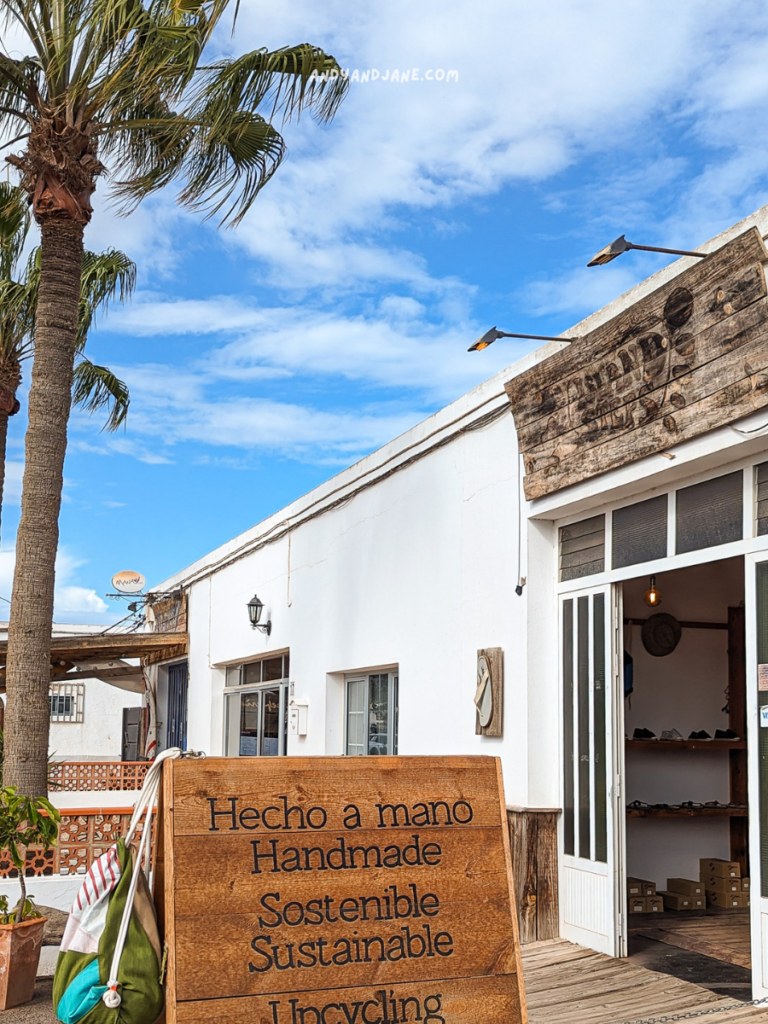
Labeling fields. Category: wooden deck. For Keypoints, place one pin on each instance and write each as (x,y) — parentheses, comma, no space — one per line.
(724,936)
(567,984)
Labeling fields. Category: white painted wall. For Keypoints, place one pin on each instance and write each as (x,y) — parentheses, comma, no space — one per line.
(419,572)
(99,736)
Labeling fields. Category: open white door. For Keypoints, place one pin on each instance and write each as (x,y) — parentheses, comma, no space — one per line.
(756,569)
(592,875)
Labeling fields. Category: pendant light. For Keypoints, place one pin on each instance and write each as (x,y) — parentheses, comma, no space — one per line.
(652,596)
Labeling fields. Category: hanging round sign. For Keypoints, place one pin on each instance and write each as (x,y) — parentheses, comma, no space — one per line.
(128,582)
(484,692)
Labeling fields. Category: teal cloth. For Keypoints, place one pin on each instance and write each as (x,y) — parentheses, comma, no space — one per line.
(82,994)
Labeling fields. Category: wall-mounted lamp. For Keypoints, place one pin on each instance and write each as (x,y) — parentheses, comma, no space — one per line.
(255,608)
(493,335)
(652,596)
(620,245)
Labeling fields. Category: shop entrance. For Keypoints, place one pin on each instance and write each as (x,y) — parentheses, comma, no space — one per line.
(685,724)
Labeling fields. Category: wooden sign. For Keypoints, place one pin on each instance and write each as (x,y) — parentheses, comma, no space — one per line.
(370,890)
(688,358)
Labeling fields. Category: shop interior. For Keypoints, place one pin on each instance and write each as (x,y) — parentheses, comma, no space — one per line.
(686,760)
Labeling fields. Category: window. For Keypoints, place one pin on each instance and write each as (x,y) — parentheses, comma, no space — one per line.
(256,708)
(67,700)
(710,513)
(582,548)
(640,532)
(372,710)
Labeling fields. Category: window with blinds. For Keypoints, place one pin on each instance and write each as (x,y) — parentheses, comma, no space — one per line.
(710,513)
(639,532)
(761,494)
(582,548)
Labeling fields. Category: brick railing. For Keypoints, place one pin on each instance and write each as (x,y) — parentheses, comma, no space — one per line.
(83,836)
(96,776)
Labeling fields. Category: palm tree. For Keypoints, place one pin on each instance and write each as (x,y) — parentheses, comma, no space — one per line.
(104,275)
(118,84)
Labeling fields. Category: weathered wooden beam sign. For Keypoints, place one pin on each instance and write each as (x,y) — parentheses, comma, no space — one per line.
(688,358)
(370,890)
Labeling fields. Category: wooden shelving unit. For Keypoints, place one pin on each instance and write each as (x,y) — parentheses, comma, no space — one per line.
(668,745)
(736,812)
(687,812)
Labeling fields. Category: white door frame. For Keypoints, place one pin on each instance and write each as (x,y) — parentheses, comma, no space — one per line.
(591,909)
(759,905)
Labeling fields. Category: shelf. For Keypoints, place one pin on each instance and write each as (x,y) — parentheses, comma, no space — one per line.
(686,744)
(687,812)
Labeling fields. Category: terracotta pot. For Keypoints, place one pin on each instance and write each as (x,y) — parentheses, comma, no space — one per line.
(19,956)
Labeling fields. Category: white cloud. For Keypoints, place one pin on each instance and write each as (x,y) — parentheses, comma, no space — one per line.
(580,291)
(14,471)
(394,346)
(534,93)
(70,599)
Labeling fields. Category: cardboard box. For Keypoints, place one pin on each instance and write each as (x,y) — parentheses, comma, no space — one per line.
(726,900)
(654,904)
(721,868)
(636,905)
(745,899)
(677,901)
(686,886)
(745,885)
(640,887)
(722,884)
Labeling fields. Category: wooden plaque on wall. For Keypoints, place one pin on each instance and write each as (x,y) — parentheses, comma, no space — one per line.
(688,358)
(327,890)
(494,657)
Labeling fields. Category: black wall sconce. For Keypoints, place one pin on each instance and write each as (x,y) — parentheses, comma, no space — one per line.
(255,608)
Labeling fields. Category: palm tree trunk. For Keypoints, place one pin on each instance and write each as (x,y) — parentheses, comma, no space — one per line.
(3,442)
(28,666)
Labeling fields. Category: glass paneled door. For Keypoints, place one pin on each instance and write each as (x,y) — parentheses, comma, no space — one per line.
(592,763)
(756,594)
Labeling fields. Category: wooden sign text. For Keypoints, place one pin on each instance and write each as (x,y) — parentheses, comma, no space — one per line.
(370,890)
(688,358)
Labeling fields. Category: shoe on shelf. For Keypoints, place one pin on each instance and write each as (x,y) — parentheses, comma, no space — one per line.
(644,734)
(671,734)
(700,736)
(726,734)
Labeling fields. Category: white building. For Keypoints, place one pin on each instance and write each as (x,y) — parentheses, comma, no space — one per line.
(381,587)
(92,719)
(96,712)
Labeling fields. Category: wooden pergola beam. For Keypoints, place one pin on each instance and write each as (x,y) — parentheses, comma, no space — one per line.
(108,646)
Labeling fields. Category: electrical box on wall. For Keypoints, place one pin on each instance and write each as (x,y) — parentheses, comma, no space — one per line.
(297,717)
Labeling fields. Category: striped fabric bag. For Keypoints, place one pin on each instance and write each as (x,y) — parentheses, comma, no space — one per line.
(109,966)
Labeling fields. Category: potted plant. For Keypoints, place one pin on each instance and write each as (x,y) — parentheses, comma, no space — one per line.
(24,821)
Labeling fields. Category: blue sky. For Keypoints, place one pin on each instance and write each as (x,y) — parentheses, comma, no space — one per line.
(338,314)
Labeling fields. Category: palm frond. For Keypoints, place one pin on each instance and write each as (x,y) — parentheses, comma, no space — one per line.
(104,276)
(14,227)
(95,387)
(16,325)
(289,80)
(130,73)
(225,163)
